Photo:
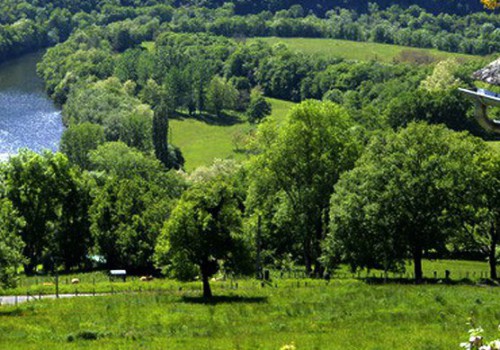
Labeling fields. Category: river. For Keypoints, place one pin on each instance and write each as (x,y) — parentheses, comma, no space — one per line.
(28,118)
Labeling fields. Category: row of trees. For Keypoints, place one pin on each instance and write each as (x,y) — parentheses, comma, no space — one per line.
(64,217)
(109,10)
(419,190)
(321,189)
(412,26)
(320,7)
(413,192)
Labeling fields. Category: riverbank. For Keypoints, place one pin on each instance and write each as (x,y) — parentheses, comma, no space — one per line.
(28,118)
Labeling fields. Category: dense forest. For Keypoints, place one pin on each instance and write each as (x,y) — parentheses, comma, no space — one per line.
(386,155)
(323,6)
(26,26)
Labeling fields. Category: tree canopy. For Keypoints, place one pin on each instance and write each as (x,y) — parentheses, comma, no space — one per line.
(11,244)
(406,196)
(293,176)
(205,227)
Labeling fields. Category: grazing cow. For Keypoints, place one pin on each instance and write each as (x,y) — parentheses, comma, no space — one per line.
(75,281)
(146,278)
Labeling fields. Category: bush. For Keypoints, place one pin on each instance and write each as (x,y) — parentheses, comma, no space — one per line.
(478,342)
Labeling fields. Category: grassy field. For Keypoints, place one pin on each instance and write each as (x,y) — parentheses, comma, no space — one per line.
(465,272)
(201,142)
(312,314)
(356,50)
(343,315)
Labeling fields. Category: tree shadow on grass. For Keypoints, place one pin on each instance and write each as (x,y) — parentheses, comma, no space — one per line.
(12,312)
(223,120)
(464,281)
(223,299)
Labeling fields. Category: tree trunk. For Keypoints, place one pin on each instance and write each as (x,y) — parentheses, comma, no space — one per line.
(319,270)
(492,253)
(207,292)
(29,269)
(417,262)
(307,258)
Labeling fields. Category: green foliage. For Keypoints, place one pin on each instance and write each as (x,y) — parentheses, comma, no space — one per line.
(122,161)
(11,244)
(205,226)
(129,208)
(46,193)
(108,103)
(85,54)
(259,107)
(483,217)
(161,101)
(221,95)
(442,78)
(280,75)
(107,68)
(292,177)
(407,195)
(437,107)
(78,140)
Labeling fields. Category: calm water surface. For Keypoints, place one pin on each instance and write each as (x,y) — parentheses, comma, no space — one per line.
(28,118)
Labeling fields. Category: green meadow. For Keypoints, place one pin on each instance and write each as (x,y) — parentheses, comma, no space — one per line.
(344,314)
(461,272)
(202,141)
(355,50)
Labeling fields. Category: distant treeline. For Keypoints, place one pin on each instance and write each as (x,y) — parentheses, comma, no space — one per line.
(320,7)
(27,25)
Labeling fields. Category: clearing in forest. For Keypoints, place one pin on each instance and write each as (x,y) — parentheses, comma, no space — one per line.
(363,51)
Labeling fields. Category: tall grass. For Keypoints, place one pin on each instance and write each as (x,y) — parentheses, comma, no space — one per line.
(341,315)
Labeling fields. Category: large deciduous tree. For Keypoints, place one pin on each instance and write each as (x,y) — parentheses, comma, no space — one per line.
(292,178)
(221,95)
(259,107)
(482,221)
(406,196)
(129,207)
(44,190)
(205,226)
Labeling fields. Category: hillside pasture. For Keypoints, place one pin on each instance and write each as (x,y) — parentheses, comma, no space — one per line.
(363,51)
(202,141)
